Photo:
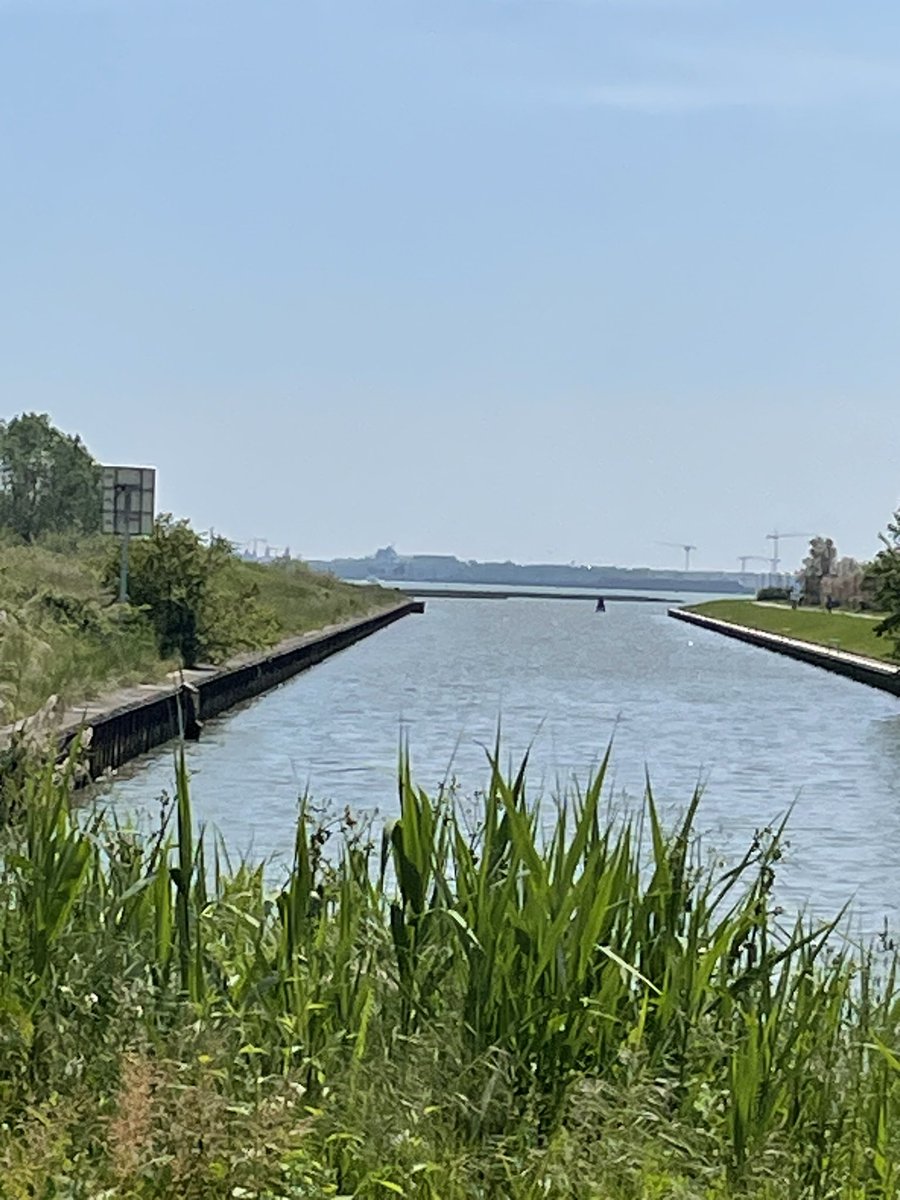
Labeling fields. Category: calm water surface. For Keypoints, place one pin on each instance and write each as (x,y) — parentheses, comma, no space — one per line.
(760,732)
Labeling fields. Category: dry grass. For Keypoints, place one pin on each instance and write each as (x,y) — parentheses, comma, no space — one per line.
(130,1132)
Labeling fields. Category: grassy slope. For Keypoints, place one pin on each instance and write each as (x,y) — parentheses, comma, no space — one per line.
(840,631)
(303,599)
(61,634)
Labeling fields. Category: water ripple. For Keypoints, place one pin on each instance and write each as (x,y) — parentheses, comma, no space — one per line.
(763,732)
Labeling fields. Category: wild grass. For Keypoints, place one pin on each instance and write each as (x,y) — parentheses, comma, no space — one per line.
(851,632)
(430,1010)
(303,599)
(59,632)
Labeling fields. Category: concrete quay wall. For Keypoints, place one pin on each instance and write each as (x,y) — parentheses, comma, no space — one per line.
(136,720)
(854,666)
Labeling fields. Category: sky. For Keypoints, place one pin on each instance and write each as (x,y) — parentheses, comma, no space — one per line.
(542,280)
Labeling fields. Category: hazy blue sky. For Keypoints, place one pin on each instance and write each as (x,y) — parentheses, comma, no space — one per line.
(539,279)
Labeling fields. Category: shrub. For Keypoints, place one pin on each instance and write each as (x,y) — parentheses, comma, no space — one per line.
(199,603)
(774,593)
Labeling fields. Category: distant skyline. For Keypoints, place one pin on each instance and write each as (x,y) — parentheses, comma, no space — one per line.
(261,550)
(540,280)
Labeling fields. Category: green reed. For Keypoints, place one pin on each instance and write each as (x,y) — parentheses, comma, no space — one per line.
(508,1007)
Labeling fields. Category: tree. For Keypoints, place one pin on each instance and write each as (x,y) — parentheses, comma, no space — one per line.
(49,483)
(847,584)
(201,606)
(883,578)
(818,563)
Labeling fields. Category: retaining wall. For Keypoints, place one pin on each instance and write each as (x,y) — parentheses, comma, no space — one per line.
(854,666)
(154,715)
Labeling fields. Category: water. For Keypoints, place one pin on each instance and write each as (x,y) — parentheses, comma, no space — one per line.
(760,731)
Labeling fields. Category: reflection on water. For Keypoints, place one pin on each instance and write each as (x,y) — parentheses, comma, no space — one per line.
(885,734)
(760,731)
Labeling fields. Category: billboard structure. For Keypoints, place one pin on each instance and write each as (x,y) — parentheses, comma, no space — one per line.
(129,495)
(128,507)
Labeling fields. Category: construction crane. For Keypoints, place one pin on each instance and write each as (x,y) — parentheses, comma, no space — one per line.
(743,559)
(686,547)
(774,538)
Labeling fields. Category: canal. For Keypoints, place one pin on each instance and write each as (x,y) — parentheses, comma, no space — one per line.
(760,732)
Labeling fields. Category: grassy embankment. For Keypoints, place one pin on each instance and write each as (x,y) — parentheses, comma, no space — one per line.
(462,1008)
(851,632)
(62,634)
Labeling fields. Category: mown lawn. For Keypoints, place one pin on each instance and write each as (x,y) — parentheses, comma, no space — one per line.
(839,631)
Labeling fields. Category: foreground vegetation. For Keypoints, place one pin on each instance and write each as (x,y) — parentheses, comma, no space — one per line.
(62,634)
(852,632)
(466,1004)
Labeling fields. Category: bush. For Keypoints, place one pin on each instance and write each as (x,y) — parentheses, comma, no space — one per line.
(198,601)
(774,593)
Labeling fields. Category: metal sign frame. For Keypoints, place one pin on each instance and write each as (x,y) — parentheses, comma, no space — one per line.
(129,500)
(128,508)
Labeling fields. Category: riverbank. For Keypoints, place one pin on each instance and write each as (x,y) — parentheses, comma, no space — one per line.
(63,635)
(794,633)
(127,722)
(852,633)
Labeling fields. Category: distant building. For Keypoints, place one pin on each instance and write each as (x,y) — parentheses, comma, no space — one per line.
(387,564)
